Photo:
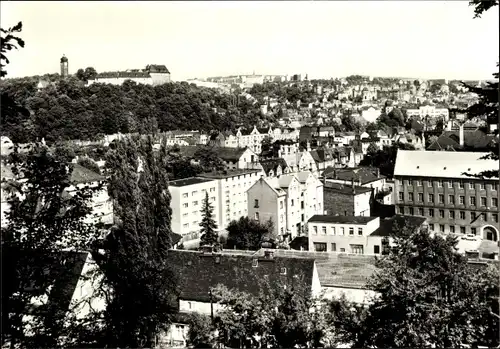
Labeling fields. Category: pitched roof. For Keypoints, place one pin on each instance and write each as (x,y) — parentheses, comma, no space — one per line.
(81,174)
(395,223)
(341,219)
(364,175)
(284,181)
(229,154)
(475,139)
(199,272)
(188,181)
(345,189)
(227,173)
(272,164)
(157,68)
(441,164)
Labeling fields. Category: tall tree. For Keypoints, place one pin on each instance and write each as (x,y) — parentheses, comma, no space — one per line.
(430,297)
(42,220)
(249,234)
(142,286)
(208,225)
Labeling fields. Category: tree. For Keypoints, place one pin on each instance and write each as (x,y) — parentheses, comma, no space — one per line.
(43,220)
(266,145)
(208,225)
(249,234)
(481,6)
(208,159)
(89,164)
(430,297)
(372,149)
(9,42)
(142,287)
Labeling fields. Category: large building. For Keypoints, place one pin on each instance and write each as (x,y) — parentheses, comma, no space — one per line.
(232,186)
(187,201)
(435,185)
(153,74)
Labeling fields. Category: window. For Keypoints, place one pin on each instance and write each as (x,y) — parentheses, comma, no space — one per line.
(441,213)
(186,225)
(320,246)
(194,193)
(212,190)
(420,211)
(439,183)
(292,202)
(461,200)
(472,216)
(358,249)
(431,212)
(429,183)
(451,199)
(431,226)
(360,231)
(185,205)
(472,201)
(342,249)
(441,228)
(431,198)
(412,212)
(401,210)
(473,231)
(460,184)
(323,230)
(212,199)
(376,249)
(419,183)
(420,197)
(255,262)
(281,204)
(481,186)
(410,196)
(450,184)
(342,231)
(315,230)
(462,230)
(441,198)
(195,203)
(471,185)
(256,216)
(185,195)
(302,204)
(494,217)
(452,228)
(283,271)
(281,230)
(351,231)
(483,201)
(410,182)
(451,214)
(494,187)
(256,203)
(462,214)
(334,247)
(333,231)
(494,202)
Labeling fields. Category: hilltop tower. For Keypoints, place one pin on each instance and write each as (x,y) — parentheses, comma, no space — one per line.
(64,66)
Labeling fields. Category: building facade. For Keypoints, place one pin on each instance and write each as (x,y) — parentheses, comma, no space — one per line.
(434,184)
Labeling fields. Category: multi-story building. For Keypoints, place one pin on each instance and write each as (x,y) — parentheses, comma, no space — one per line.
(232,186)
(152,75)
(187,200)
(347,200)
(359,235)
(435,185)
(283,200)
(428,110)
(362,176)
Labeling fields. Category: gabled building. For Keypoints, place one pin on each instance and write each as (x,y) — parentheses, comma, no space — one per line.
(347,200)
(362,176)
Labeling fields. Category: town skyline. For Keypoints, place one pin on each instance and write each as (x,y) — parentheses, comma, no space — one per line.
(376,39)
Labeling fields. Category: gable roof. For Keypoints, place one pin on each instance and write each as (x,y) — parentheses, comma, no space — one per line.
(474,140)
(364,175)
(272,164)
(157,68)
(341,219)
(81,174)
(441,164)
(344,189)
(198,272)
(229,154)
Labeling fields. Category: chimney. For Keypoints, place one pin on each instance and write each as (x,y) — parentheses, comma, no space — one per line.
(461,135)
(353,187)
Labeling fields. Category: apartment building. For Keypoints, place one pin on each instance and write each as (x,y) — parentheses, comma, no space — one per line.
(187,200)
(362,176)
(434,184)
(358,235)
(286,201)
(428,110)
(232,186)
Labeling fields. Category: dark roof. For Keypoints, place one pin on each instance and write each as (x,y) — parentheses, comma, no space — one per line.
(227,173)
(81,174)
(394,224)
(475,139)
(272,164)
(229,154)
(340,219)
(345,189)
(176,238)
(199,272)
(364,175)
(188,181)
(157,68)
(300,242)
(123,74)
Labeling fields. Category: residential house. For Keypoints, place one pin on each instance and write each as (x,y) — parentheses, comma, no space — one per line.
(187,196)
(441,187)
(273,167)
(430,111)
(362,176)
(200,272)
(283,201)
(306,162)
(463,140)
(410,138)
(232,186)
(347,200)
(324,158)
(233,158)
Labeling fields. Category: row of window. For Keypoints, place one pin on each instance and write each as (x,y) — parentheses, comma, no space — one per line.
(336,230)
(420,211)
(357,249)
(461,228)
(195,192)
(451,199)
(459,184)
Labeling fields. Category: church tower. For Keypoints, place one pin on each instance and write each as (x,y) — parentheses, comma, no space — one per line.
(64,66)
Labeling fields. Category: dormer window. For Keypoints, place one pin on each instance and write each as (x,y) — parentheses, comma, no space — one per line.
(256,205)
(283,271)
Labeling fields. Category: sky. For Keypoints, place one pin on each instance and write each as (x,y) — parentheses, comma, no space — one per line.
(424,39)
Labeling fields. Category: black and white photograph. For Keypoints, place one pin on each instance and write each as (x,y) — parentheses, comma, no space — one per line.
(250,174)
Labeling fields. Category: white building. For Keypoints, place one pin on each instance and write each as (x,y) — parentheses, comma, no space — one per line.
(187,199)
(232,186)
(152,75)
(429,110)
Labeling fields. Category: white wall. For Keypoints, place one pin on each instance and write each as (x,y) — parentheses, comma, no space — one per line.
(188,306)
